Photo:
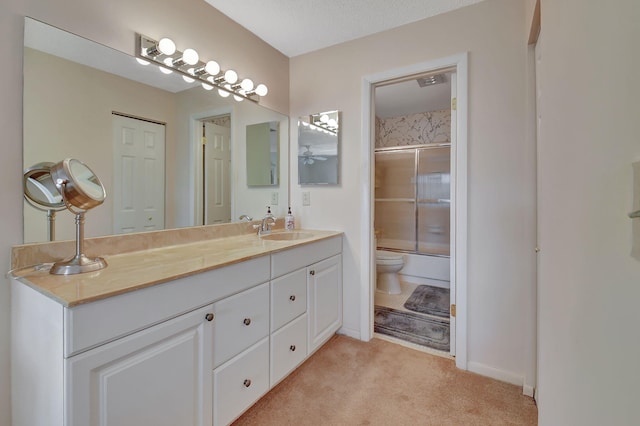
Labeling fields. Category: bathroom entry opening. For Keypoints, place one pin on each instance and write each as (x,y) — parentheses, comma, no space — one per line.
(414,139)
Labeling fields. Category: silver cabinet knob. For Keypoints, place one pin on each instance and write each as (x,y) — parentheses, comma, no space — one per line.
(247,383)
(247,321)
(292,297)
(312,272)
(292,348)
(209,317)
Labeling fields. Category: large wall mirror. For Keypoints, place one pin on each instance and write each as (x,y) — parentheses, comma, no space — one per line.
(318,148)
(169,153)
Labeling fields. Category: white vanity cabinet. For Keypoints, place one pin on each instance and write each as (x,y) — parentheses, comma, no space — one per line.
(198,350)
(157,376)
(318,267)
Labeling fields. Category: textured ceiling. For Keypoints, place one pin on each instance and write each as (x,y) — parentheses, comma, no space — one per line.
(295,27)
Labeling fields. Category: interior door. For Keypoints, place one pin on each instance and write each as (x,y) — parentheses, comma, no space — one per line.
(216,176)
(139,161)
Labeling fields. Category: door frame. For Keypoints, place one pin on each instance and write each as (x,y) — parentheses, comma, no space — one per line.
(459,179)
(195,162)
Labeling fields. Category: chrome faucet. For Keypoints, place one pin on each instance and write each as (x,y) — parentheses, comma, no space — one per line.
(245,217)
(268,221)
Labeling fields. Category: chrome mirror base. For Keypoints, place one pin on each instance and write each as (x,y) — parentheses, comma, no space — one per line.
(78,265)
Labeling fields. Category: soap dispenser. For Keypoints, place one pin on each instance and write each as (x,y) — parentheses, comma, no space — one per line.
(289,221)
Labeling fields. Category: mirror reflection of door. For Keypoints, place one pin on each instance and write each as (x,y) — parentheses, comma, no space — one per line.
(262,154)
(138,161)
(216,154)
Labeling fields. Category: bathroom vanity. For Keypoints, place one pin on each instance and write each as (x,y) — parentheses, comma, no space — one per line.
(190,334)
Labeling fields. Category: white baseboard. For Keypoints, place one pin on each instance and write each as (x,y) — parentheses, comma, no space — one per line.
(494,373)
(350,332)
(528,390)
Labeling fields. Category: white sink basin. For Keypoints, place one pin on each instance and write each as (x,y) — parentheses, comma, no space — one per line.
(287,236)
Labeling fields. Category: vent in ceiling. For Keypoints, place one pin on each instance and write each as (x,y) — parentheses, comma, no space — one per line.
(431,80)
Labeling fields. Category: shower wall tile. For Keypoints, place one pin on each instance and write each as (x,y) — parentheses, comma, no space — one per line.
(414,129)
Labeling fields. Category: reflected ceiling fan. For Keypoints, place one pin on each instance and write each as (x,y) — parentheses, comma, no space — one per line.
(308,157)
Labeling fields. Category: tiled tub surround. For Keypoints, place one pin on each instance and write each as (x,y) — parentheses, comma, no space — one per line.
(414,129)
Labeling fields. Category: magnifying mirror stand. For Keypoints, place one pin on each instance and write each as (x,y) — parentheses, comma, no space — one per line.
(78,263)
(51,225)
(51,220)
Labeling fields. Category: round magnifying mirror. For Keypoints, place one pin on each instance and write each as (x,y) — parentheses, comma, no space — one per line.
(79,185)
(40,189)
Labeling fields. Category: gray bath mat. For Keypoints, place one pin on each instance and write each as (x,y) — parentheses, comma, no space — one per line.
(430,332)
(429,300)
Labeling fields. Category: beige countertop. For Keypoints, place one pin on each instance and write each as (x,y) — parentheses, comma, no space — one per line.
(135,270)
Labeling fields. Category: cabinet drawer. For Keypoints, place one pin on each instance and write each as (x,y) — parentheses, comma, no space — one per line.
(240,382)
(288,298)
(240,321)
(288,348)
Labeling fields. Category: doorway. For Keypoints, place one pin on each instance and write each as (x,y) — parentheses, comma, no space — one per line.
(211,192)
(458,187)
(216,170)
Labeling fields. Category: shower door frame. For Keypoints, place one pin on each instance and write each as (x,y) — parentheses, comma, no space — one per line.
(416,199)
(458,264)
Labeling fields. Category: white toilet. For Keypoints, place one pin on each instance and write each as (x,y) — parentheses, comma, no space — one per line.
(388,264)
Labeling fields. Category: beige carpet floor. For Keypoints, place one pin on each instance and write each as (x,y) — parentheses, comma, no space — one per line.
(349,382)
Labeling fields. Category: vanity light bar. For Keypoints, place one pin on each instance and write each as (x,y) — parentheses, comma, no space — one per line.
(325,121)
(192,68)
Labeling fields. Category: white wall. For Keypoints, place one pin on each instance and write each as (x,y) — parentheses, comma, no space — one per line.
(589,285)
(114,23)
(500,251)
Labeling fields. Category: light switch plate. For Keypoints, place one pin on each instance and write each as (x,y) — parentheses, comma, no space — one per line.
(306,198)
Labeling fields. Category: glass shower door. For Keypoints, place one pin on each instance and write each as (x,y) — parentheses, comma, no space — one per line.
(434,200)
(395,199)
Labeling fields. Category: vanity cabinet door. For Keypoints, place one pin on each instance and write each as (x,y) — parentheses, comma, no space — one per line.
(159,376)
(324,296)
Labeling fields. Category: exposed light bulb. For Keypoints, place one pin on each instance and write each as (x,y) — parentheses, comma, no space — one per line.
(142,61)
(261,90)
(324,118)
(332,123)
(165,70)
(190,56)
(230,76)
(223,93)
(247,85)
(188,79)
(212,68)
(166,46)
(206,86)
